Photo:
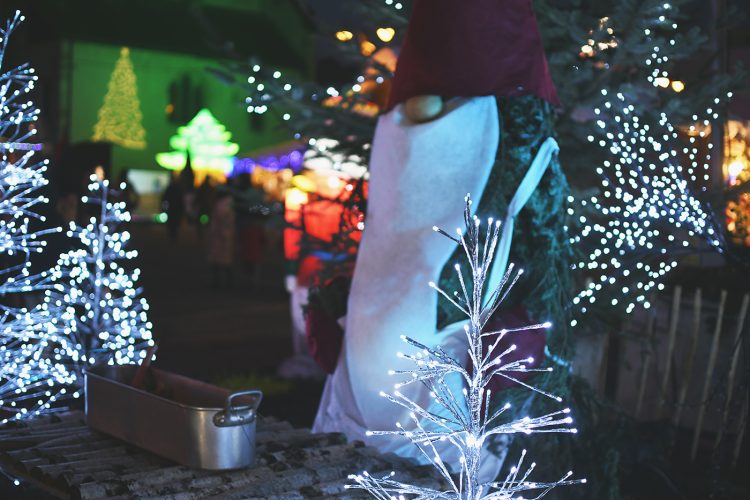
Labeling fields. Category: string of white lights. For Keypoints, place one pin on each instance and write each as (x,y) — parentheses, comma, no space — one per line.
(33,376)
(648,212)
(464,419)
(100,309)
(344,112)
(92,313)
(31,379)
(21,176)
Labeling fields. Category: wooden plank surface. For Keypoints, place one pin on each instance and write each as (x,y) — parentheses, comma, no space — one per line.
(63,457)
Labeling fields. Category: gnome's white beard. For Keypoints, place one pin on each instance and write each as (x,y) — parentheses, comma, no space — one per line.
(419,176)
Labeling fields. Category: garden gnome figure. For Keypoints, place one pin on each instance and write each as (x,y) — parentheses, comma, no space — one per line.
(439,139)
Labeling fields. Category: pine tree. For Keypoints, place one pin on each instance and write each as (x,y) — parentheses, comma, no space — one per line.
(607,45)
(120,118)
(590,45)
(207,141)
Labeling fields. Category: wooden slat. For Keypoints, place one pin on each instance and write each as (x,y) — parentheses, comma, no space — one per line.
(646,360)
(741,430)
(672,335)
(708,376)
(737,349)
(291,463)
(687,374)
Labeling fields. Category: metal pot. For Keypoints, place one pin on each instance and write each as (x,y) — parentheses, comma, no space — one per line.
(191,422)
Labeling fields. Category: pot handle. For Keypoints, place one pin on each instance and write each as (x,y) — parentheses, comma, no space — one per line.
(232,415)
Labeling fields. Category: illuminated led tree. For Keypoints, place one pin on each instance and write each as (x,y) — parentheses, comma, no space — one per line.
(207,141)
(33,374)
(102,314)
(120,118)
(462,417)
(650,210)
(30,377)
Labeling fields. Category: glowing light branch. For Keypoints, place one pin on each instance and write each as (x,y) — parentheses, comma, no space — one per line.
(308,104)
(28,373)
(345,114)
(20,175)
(103,314)
(464,419)
(33,376)
(647,215)
(20,146)
(396,5)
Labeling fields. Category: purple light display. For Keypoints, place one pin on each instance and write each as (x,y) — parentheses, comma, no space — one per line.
(292,160)
(20,146)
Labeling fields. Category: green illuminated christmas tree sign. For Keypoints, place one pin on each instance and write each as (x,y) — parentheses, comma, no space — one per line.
(120,116)
(208,143)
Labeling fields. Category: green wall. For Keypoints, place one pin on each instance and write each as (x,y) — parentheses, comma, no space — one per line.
(155,71)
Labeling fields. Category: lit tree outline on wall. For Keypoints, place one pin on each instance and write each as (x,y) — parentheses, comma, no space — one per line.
(120,120)
(103,315)
(464,420)
(207,141)
(31,379)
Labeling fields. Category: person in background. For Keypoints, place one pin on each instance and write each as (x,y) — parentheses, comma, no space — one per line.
(173,205)
(66,205)
(187,183)
(250,206)
(204,201)
(221,239)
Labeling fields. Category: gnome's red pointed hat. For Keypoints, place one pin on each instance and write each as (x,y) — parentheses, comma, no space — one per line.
(465,48)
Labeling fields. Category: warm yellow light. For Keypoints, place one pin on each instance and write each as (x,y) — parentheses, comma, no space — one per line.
(662,82)
(344,35)
(385,34)
(120,118)
(99,172)
(295,198)
(735,168)
(678,86)
(367,47)
(303,183)
(588,50)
